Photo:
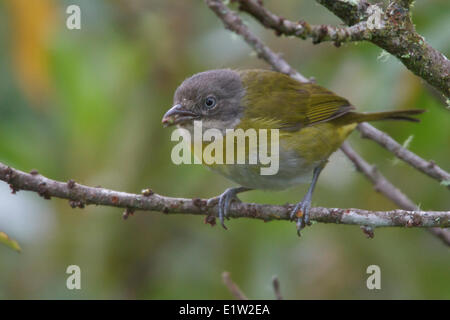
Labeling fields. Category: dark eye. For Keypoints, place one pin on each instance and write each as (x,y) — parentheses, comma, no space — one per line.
(210,102)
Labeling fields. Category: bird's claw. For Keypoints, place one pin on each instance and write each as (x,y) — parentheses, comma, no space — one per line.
(212,201)
(301,212)
(224,201)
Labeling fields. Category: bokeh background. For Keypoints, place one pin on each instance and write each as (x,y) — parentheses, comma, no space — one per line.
(87,104)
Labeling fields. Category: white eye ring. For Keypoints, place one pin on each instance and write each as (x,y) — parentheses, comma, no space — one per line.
(210,102)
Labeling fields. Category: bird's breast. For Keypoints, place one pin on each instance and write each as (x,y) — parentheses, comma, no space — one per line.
(292,169)
(297,154)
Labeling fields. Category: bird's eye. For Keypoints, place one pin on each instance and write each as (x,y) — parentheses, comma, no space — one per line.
(210,102)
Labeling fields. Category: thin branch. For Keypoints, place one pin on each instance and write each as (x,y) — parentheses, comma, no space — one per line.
(430,168)
(234,23)
(237,292)
(382,185)
(80,195)
(302,29)
(443,234)
(233,287)
(276,288)
(395,34)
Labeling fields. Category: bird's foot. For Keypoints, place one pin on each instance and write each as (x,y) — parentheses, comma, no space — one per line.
(301,213)
(224,201)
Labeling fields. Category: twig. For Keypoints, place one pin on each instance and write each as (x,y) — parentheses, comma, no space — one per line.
(234,289)
(302,29)
(235,24)
(276,288)
(382,185)
(428,167)
(80,195)
(443,234)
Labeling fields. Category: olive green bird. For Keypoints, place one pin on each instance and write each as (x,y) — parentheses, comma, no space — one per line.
(312,121)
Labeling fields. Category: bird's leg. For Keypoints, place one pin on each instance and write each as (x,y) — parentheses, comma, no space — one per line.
(225,200)
(304,205)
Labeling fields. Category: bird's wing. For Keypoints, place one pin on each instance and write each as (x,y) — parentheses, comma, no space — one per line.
(282,102)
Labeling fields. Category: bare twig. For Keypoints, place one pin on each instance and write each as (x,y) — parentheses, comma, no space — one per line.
(382,185)
(428,167)
(276,288)
(233,287)
(302,29)
(80,196)
(235,24)
(443,234)
(237,292)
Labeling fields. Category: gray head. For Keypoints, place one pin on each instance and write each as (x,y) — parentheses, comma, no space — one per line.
(212,97)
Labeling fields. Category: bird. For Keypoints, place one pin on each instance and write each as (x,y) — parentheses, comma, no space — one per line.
(311,120)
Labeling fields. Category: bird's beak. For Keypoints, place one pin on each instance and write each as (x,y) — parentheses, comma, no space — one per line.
(178,114)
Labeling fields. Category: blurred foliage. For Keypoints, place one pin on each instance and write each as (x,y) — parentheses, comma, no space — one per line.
(86,104)
(4,239)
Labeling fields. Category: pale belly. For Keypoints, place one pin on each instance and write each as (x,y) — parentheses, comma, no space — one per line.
(293,170)
(319,141)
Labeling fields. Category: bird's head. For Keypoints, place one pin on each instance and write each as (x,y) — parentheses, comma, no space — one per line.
(212,97)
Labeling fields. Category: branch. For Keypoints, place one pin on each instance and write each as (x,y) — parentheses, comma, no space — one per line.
(443,234)
(396,34)
(428,167)
(237,292)
(81,195)
(302,29)
(233,287)
(382,185)
(234,23)
(276,288)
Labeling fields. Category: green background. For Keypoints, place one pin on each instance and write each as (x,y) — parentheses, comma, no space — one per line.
(87,105)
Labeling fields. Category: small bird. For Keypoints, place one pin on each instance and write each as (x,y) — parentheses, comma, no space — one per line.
(312,121)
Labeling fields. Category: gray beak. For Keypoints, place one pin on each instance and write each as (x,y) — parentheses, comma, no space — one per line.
(178,114)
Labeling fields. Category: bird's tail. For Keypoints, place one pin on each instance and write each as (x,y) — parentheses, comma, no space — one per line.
(407,115)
